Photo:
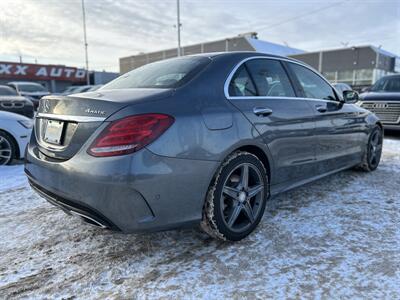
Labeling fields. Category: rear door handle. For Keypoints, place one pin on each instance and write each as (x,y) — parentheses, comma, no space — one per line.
(262,111)
(321,108)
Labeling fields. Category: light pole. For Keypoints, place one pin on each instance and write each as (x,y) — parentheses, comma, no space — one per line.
(86,44)
(178,26)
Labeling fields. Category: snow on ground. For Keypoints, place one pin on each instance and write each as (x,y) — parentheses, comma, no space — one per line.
(338,237)
(12,177)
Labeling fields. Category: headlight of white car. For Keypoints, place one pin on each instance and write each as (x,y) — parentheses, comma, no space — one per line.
(26,123)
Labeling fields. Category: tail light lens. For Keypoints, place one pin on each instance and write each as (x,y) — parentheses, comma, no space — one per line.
(130,134)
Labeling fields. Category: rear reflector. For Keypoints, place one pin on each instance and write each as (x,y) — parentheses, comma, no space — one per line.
(130,134)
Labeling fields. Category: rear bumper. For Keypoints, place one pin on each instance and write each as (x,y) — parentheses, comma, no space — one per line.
(132,193)
(70,207)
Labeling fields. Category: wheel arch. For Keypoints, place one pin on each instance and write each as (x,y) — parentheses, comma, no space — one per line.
(261,155)
(379,123)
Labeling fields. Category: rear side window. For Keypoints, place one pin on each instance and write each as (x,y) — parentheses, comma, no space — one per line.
(169,73)
(313,85)
(241,83)
(270,78)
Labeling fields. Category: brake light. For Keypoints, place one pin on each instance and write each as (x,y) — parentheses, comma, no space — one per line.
(130,134)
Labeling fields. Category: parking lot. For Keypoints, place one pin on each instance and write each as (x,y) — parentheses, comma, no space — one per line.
(337,237)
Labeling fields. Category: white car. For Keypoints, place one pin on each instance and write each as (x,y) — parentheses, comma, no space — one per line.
(15,131)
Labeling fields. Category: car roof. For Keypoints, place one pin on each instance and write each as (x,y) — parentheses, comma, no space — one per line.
(391,76)
(242,53)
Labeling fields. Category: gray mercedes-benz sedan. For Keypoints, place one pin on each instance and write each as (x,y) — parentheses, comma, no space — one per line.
(204,139)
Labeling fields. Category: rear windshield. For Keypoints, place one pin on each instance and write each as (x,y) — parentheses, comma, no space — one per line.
(169,73)
(389,84)
(7,91)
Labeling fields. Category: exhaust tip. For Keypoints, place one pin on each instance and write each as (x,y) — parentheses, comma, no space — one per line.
(89,220)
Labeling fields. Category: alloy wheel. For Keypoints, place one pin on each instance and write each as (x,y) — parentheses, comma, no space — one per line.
(242,197)
(5,151)
(375,148)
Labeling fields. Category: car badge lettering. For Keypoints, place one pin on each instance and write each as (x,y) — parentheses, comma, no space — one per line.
(95,111)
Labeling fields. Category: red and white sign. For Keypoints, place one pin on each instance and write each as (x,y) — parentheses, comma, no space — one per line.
(21,71)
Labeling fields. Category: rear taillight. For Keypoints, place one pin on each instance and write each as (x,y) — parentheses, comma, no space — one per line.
(130,134)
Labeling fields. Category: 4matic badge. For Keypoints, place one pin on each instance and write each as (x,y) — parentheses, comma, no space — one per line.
(95,111)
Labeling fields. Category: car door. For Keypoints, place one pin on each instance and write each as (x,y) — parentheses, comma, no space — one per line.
(261,89)
(338,125)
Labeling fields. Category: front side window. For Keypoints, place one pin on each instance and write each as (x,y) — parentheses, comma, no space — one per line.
(169,73)
(313,85)
(270,78)
(241,83)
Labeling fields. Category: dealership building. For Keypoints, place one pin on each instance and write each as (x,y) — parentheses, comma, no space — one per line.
(242,42)
(56,78)
(357,66)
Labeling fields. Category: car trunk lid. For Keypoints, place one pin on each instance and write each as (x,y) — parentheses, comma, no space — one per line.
(65,123)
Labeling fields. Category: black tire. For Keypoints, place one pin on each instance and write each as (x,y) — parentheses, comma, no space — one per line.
(373,152)
(233,208)
(7,148)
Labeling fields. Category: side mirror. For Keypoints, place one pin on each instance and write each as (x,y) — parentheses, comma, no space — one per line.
(350,96)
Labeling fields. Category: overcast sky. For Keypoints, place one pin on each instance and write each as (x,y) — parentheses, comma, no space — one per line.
(51,30)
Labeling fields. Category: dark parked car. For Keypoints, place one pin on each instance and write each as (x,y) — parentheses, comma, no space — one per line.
(204,139)
(33,91)
(68,91)
(12,102)
(95,87)
(383,99)
(76,89)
